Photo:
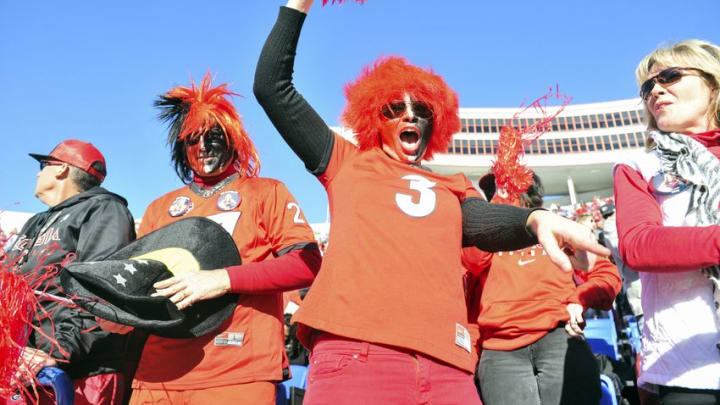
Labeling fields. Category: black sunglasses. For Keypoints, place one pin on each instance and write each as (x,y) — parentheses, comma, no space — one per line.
(665,76)
(44,163)
(397,109)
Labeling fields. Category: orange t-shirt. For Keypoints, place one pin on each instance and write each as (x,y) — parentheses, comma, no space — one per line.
(392,271)
(524,296)
(265,221)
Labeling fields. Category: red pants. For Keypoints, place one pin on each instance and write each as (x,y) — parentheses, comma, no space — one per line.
(348,372)
(101,389)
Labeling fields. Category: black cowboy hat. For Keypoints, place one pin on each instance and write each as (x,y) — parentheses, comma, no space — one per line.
(119,288)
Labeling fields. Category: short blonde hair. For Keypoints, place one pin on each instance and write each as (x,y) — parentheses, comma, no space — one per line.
(694,53)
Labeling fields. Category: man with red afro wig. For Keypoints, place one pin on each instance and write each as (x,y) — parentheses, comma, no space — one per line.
(386,319)
(241,361)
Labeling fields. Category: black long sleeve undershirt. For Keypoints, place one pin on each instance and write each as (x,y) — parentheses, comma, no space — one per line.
(298,123)
(491,227)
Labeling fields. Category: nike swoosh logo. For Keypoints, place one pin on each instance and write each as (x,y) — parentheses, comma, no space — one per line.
(522,262)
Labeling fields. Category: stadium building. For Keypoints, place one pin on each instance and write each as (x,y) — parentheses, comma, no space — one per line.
(574,159)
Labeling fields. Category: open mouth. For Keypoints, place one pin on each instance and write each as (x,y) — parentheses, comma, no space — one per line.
(410,140)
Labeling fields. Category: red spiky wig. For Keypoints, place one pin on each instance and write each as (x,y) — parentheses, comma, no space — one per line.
(510,174)
(387,80)
(192,111)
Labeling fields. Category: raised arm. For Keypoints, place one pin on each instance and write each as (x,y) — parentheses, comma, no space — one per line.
(298,123)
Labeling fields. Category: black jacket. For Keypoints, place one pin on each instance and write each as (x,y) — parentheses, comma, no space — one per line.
(92,225)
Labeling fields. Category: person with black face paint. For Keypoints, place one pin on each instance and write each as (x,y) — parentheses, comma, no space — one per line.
(386,319)
(241,361)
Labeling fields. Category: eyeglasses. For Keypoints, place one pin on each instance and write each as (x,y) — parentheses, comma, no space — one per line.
(397,109)
(666,76)
(44,163)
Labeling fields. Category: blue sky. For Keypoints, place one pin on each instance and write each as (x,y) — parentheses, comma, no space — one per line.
(90,70)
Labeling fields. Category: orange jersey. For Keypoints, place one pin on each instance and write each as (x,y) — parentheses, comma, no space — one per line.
(264,220)
(392,270)
(524,296)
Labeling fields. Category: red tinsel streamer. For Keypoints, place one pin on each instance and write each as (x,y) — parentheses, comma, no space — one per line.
(340,1)
(510,174)
(21,297)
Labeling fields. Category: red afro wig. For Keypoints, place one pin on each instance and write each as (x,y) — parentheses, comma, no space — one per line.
(387,80)
(194,110)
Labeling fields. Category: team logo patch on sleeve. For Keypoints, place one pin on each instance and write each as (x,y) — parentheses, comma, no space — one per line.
(181,206)
(228,200)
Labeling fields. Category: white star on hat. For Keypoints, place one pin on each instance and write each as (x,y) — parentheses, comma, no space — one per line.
(120,280)
(141,261)
(129,267)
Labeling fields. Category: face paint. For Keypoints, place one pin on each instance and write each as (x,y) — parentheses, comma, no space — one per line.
(406,129)
(208,154)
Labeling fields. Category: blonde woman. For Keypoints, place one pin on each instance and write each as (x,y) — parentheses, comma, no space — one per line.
(667,201)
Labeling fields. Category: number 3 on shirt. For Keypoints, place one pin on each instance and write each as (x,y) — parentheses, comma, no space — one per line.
(425,204)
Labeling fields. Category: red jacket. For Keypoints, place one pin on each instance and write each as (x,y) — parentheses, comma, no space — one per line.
(524,295)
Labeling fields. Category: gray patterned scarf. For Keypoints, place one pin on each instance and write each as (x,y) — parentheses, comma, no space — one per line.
(694,164)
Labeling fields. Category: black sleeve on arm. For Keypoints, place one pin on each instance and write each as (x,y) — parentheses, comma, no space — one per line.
(495,227)
(298,123)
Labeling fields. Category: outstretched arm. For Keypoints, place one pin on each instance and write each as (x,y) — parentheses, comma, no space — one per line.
(496,227)
(298,123)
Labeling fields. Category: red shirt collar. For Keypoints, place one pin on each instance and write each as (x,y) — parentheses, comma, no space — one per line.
(709,138)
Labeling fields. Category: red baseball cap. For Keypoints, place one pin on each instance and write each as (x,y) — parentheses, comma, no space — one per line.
(82,155)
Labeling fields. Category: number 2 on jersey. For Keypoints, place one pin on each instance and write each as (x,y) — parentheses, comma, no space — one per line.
(425,204)
(297,218)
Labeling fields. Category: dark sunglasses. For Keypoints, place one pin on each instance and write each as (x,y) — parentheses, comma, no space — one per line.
(44,163)
(397,109)
(666,76)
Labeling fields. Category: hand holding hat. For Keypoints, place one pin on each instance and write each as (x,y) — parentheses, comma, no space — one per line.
(121,288)
(188,288)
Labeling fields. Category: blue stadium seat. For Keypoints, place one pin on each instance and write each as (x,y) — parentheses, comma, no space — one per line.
(602,337)
(60,383)
(609,395)
(298,380)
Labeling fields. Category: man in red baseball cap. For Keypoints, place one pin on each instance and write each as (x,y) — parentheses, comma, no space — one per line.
(89,222)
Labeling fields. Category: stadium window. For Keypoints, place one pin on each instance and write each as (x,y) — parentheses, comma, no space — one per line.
(566,145)
(493,146)
(586,122)
(463,125)
(471,127)
(581,144)
(601,121)
(573,144)
(493,125)
(626,118)
(464,146)
(555,124)
(642,138)
(615,142)
(606,142)
(457,146)
(570,125)
(590,144)
(618,119)
(609,119)
(634,117)
(578,122)
(623,141)
(541,146)
(485,125)
(632,142)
